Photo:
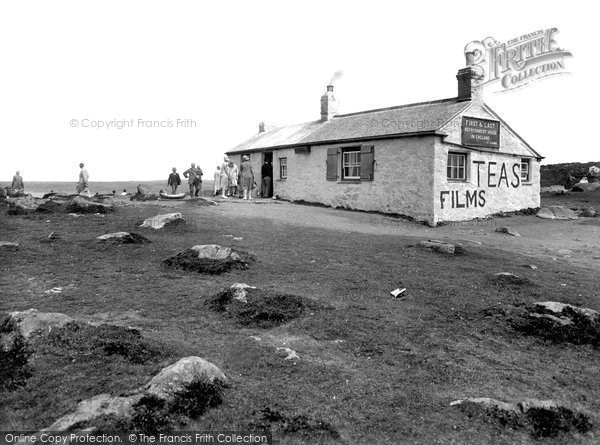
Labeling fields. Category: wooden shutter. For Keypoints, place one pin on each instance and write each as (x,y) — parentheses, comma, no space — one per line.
(367,162)
(332,164)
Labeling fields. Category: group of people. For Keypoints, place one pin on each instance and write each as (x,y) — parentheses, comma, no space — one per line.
(228,178)
(194,177)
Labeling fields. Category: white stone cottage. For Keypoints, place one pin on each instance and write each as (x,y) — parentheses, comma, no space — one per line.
(445,160)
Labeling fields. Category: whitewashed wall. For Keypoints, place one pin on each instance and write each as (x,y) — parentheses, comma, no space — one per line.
(497,187)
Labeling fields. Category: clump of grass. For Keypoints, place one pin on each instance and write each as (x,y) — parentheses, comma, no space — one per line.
(300,425)
(83,339)
(541,422)
(553,422)
(188,260)
(263,309)
(14,355)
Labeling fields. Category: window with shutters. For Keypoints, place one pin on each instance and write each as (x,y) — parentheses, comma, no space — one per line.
(457,166)
(357,163)
(282,168)
(351,164)
(525,170)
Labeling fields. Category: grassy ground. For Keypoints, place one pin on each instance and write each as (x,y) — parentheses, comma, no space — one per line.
(371,368)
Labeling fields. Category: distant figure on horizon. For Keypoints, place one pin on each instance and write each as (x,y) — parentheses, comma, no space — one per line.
(82,185)
(190,174)
(17,182)
(124,192)
(174,181)
(217,180)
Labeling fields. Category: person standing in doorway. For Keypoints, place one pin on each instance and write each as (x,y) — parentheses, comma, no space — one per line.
(266,171)
(17,182)
(83,184)
(174,181)
(190,175)
(247,176)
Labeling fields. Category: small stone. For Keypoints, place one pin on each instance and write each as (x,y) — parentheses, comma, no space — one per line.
(9,245)
(160,221)
(507,231)
(438,246)
(33,320)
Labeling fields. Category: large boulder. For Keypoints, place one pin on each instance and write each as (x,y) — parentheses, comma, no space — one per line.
(33,320)
(160,221)
(556,212)
(177,377)
(98,406)
(209,258)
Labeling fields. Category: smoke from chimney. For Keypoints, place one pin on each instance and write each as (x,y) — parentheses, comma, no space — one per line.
(336,76)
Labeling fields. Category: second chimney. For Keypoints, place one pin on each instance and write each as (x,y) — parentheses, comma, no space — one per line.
(261,127)
(329,106)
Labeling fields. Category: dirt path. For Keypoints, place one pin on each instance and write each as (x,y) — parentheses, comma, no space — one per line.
(576,242)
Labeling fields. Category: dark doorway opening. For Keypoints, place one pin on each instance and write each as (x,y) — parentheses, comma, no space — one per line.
(266,173)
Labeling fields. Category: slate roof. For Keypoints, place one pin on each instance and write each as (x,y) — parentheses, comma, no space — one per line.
(403,120)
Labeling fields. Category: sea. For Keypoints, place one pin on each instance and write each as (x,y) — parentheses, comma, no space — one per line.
(40,188)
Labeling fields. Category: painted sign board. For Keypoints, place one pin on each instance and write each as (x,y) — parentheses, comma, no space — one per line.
(478,132)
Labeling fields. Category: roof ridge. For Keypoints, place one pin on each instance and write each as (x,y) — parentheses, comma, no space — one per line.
(396,107)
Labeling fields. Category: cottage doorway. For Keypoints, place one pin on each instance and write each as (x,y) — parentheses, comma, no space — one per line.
(266,175)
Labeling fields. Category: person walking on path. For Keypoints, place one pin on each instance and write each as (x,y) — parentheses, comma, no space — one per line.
(247,176)
(174,181)
(190,174)
(17,182)
(83,184)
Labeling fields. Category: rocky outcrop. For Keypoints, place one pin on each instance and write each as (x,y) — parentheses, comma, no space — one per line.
(80,204)
(209,258)
(160,221)
(439,246)
(123,238)
(586,187)
(566,174)
(144,194)
(32,320)
(557,212)
(542,418)
(97,406)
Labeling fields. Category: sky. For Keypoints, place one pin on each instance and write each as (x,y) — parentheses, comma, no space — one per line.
(209,72)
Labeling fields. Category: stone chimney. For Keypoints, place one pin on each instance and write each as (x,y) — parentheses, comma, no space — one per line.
(470,81)
(261,127)
(329,106)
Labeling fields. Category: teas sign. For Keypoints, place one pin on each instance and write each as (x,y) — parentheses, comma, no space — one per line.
(480,132)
